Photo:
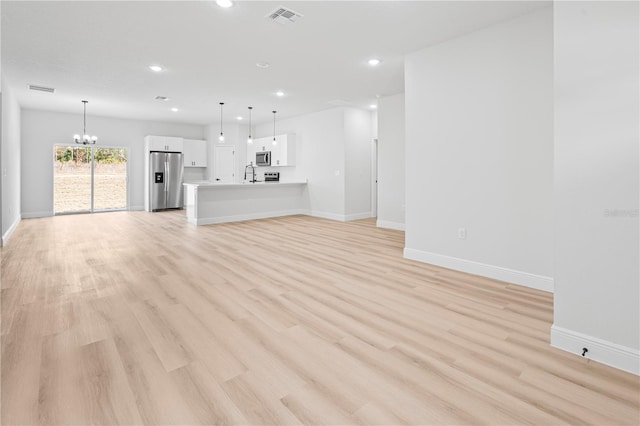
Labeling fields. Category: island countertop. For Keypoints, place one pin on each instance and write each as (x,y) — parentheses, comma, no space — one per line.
(212,202)
(207,184)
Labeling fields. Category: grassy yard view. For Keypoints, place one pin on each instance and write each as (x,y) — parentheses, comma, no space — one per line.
(72,179)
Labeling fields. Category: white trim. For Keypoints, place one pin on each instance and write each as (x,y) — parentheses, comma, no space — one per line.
(357,216)
(390,225)
(339,217)
(243,217)
(526,279)
(603,351)
(34,215)
(326,215)
(7,235)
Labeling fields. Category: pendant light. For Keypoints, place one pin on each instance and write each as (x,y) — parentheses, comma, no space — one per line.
(250,139)
(221,137)
(274,128)
(85,139)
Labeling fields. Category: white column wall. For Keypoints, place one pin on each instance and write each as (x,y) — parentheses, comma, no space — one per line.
(597,297)
(10,167)
(391,163)
(357,152)
(479,152)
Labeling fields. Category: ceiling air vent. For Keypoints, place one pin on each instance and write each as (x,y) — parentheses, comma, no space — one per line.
(41,88)
(282,15)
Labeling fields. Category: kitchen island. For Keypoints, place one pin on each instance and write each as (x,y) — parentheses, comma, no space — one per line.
(209,202)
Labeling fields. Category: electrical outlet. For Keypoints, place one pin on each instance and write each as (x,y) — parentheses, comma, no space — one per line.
(462,233)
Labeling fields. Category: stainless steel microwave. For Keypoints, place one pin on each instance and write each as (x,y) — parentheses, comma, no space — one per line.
(263,158)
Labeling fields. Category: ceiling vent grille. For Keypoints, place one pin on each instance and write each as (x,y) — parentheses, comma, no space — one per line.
(282,15)
(41,88)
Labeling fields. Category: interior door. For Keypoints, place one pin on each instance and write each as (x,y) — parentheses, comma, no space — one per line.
(224,164)
(374,178)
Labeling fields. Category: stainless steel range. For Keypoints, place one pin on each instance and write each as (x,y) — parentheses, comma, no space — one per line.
(272,176)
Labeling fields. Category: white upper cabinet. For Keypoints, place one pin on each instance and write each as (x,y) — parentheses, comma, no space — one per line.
(283,153)
(163,143)
(195,153)
(251,152)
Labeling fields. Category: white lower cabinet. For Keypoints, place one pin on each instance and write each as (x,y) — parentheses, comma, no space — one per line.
(195,153)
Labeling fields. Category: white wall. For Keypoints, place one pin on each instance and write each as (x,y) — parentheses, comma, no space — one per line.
(333,152)
(357,151)
(479,152)
(596,300)
(374,123)
(10,162)
(234,135)
(42,130)
(319,158)
(391,164)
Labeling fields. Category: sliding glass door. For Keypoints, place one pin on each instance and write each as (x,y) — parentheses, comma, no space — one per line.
(89,179)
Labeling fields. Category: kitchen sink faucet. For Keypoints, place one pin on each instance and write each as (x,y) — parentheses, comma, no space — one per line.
(253,172)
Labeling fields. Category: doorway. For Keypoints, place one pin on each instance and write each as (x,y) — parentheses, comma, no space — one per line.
(374,178)
(89,179)
(224,164)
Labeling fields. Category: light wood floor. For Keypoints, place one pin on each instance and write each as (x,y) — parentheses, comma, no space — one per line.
(131,317)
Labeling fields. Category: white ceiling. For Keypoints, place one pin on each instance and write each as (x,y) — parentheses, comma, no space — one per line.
(101,50)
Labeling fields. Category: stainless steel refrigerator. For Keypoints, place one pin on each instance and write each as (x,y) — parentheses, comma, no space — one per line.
(165,179)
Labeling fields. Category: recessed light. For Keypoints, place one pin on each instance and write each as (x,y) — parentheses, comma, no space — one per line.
(174,109)
(239,118)
(155,68)
(373,62)
(373,106)
(224,3)
(280,93)
(262,64)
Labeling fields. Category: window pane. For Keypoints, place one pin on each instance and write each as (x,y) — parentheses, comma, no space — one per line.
(71,179)
(110,179)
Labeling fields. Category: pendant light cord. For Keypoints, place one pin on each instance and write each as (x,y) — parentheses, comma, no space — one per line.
(221,104)
(84,119)
(250,108)
(274,125)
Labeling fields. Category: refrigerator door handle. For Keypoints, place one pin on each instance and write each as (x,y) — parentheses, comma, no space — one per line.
(166,183)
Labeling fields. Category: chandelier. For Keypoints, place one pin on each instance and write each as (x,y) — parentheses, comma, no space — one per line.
(85,139)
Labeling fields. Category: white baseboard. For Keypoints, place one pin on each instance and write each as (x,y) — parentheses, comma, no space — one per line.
(539,282)
(33,215)
(605,352)
(325,215)
(390,225)
(339,217)
(243,217)
(357,216)
(7,234)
